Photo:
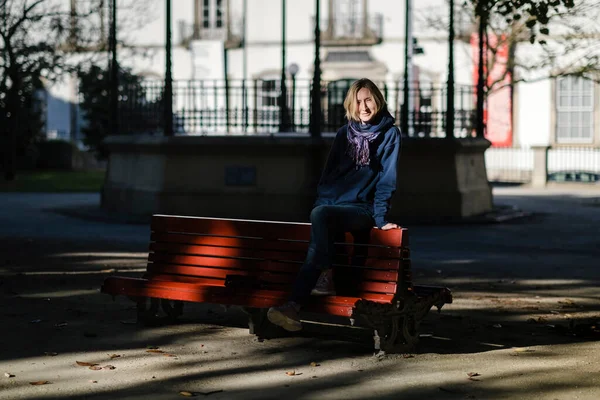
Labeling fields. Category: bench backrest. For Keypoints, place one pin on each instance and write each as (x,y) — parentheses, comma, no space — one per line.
(211,251)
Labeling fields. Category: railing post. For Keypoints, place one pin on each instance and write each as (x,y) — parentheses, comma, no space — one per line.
(539,176)
(315,94)
(450,83)
(168,76)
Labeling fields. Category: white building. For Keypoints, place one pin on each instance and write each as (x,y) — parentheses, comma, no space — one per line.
(241,40)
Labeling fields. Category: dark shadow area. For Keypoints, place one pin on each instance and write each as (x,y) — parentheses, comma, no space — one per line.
(525,293)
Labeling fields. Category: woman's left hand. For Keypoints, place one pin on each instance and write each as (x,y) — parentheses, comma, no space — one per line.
(389,226)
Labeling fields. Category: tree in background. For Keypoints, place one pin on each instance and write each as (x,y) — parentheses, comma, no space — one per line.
(42,41)
(139,111)
(545,39)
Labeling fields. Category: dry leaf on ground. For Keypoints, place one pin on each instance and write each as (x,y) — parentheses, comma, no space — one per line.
(95,368)
(109,367)
(40,383)
(154,351)
(85,364)
(291,373)
(114,356)
(187,394)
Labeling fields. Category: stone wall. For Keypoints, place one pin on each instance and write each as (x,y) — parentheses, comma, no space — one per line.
(274,177)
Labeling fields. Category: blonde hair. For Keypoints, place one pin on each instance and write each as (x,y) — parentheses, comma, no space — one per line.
(351,104)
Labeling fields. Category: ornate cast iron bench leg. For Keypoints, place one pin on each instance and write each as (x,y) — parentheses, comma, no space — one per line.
(172,308)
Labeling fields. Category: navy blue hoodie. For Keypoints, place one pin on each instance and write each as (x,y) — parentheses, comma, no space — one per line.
(371,186)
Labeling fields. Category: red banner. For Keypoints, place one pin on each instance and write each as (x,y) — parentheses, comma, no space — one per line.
(497,112)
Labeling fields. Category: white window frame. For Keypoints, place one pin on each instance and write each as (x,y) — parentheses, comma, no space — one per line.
(572,113)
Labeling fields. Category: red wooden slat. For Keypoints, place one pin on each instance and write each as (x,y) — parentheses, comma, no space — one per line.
(217,273)
(275,282)
(261,229)
(175,248)
(207,240)
(256,248)
(231,227)
(254,264)
(285,269)
(220,295)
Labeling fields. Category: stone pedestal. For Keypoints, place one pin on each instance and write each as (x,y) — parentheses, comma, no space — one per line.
(539,177)
(274,177)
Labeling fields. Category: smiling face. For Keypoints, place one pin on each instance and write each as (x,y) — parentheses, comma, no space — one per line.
(365,104)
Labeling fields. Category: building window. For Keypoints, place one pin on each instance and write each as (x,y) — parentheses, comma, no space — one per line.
(219,11)
(574,110)
(348,19)
(269,93)
(213,14)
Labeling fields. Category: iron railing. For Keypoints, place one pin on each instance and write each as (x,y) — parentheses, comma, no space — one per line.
(564,164)
(204,107)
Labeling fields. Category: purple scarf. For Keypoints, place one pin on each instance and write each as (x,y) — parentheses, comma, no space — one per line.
(361,135)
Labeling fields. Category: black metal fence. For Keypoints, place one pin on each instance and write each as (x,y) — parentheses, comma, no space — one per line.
(203,107)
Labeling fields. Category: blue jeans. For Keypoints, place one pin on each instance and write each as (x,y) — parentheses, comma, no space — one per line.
(328,223)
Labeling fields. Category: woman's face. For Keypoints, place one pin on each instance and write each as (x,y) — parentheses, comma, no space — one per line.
(366,105)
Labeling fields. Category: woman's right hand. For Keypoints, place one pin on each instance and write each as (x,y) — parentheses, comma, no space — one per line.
(389,226)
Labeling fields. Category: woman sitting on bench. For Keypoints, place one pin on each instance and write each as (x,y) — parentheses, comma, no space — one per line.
(353,194)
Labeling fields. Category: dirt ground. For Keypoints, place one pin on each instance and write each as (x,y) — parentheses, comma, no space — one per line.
(525,322)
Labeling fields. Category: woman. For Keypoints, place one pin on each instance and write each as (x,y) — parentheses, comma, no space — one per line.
(353,194)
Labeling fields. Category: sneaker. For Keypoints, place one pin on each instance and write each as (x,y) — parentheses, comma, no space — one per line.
(324,286)
(285,316)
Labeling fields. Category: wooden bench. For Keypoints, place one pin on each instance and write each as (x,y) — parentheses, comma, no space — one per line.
(252,264)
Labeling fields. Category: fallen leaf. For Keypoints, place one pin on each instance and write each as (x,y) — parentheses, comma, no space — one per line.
(523,350)
(50,353)
(187,394)
(109,367)
(114,356)
(314,364)
(473,374)
(154,351)
(290,373)
(8,375)
(95,368)
(40,383)
(85,364)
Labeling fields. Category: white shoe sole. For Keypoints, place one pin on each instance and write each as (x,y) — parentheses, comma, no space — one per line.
(277,318)
(316,292)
